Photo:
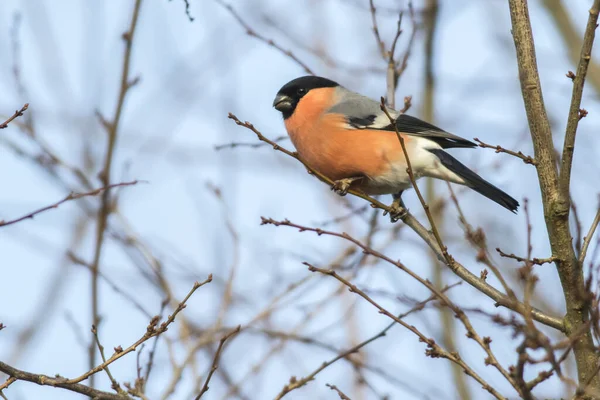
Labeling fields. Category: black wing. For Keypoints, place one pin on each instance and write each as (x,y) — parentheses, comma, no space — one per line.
(415,126)
(364,113)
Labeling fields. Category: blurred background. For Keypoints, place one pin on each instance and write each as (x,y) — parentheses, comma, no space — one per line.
(207,182)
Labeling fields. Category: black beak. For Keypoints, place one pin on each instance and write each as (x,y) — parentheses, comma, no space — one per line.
(282,103)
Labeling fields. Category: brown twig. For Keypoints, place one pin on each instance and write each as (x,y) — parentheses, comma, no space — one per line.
(433,349)
(153,329)
(535,261)
(40,379)
(251,32)
(471,333)
(575,114)
(215,363)
(71,196)
(499,149)
(7,383)
(339,392)
(588,238)
(478,239)
(114,384)
(297,383)
(448,258)
(17,113)
(112,128)
(407,104)
(380,42)
(401,66)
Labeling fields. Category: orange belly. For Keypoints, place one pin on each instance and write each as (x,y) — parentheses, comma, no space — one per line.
(341,153)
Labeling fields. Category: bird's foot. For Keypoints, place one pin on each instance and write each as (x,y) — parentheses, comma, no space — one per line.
(397,210)
(341,186)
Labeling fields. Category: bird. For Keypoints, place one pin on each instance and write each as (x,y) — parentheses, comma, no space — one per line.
(349,138)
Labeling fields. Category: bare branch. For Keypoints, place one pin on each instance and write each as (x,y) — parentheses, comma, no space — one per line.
(499,149)
(17,113)
(153,329)
(380,42)
(588,238)
(112,128)
(215,363)
(71,196)
(433,349)
(40,379)
(114,384)
(575,113)
(536,261)
(339,392)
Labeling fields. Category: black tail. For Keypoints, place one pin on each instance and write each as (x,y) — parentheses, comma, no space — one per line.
(476,182)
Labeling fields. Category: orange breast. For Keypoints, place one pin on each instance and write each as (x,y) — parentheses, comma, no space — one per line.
(327,146)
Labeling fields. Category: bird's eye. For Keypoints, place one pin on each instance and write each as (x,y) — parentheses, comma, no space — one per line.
(301,92)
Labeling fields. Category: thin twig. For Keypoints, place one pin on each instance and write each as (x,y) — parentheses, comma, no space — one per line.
(71,196)
(500,149)
(401,66)
(297,383)
(535,261)
(575,114)
(215,363)
(433,349)
(112,128)
(17,113)
(477,238)
(153,329)
(339,392)
(448,258)
(251,32)
(588,238)
(114,384)
(460,314)
(380,43)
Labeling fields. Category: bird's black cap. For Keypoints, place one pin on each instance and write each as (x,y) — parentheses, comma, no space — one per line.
(290,94)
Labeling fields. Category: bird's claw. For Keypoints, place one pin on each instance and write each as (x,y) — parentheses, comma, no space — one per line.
(397,209)
(341,186)
(397,212)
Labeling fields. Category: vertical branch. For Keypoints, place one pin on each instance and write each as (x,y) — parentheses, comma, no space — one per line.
(105,206)
(556,205)
(574,113)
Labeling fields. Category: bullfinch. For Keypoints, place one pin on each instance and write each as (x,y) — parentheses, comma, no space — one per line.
(348,138)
